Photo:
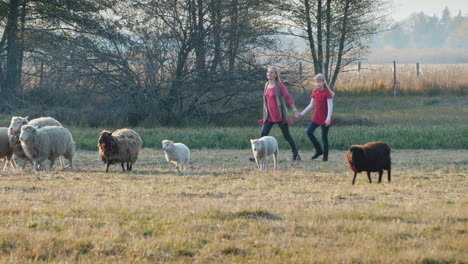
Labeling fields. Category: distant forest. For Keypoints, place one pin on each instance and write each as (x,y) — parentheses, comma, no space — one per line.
(424,31)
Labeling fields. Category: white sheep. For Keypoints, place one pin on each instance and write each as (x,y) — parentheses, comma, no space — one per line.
(177,153)
(121,146)
(5,150)
(15,129)
(49,142)
(262,148)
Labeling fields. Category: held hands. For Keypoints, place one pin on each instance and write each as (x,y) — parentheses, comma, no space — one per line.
(298,115)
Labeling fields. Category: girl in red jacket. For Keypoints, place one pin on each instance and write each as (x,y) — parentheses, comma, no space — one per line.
(322,100)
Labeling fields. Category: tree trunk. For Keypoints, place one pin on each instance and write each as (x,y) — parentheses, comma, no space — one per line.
(21,43)
(216,19)
(234,35)
(310,35)
(12,48)
(327,43)
(341,45)
(199,37)
(319,37)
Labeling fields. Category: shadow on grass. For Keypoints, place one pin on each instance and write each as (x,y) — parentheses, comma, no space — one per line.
(257,215)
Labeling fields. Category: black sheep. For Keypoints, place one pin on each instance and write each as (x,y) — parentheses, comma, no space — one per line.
(371,157)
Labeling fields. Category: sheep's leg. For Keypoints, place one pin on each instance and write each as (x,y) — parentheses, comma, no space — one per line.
(368,176)
(389,177)
(123,168)
(263,163)
(24,164)
(72,164)
(128,166)
(275,159)
(51,166)
(13,163)
(34,166)
(186,166)
(380,175)
(257,162)
(107,167)
(6,164)
(354,178)
(62,163)
(178,167)
(42,166)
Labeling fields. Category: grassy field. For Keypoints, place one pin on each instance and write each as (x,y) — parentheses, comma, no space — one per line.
(406,122)
(225,211)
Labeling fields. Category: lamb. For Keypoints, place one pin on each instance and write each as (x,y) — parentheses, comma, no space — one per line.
(121,146)
(371,157)
(15,128)
(5,150)
(49,142)
(262,148)
(177,153)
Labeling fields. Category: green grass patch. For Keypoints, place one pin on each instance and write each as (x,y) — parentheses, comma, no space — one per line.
(407,122)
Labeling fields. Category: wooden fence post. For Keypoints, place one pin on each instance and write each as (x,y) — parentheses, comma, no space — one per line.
(359,67)
(394,79)
(300,69)
(417,69)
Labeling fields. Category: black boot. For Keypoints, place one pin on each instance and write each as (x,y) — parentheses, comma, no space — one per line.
(318,150)
(317,154)
(325,156)
(296,156)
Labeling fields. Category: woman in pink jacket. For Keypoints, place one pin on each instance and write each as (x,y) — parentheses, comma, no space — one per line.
(275,110)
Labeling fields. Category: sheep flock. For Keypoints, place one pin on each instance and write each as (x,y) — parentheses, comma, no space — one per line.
(45,138)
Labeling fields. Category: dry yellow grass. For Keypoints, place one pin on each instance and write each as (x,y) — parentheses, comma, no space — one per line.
(433,78)
(378,78)
(226,211)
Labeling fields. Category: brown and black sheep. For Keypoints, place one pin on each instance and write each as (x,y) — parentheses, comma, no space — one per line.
(371,157)
(121,146)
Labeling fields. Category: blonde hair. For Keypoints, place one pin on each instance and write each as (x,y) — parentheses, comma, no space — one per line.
(321,77)
(273,68)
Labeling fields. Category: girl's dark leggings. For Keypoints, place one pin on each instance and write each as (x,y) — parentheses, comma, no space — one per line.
(285,129)
(310,133)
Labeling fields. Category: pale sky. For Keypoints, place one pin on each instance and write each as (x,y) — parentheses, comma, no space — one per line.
(403,8)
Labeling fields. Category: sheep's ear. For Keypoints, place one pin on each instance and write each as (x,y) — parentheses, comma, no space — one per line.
(102,132)
(26,118)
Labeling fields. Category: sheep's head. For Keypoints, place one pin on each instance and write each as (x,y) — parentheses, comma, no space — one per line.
(16,123)
(26,132)
(167,144)
(106,140)
(256,145)
(357,153)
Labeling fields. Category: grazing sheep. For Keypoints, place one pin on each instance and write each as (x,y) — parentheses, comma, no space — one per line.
(177,153)
(15,129)
(121,146)
(262,148)
(49,142)
(371,157)
(5,150)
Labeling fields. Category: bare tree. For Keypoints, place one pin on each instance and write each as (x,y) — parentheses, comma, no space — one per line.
(344,27)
